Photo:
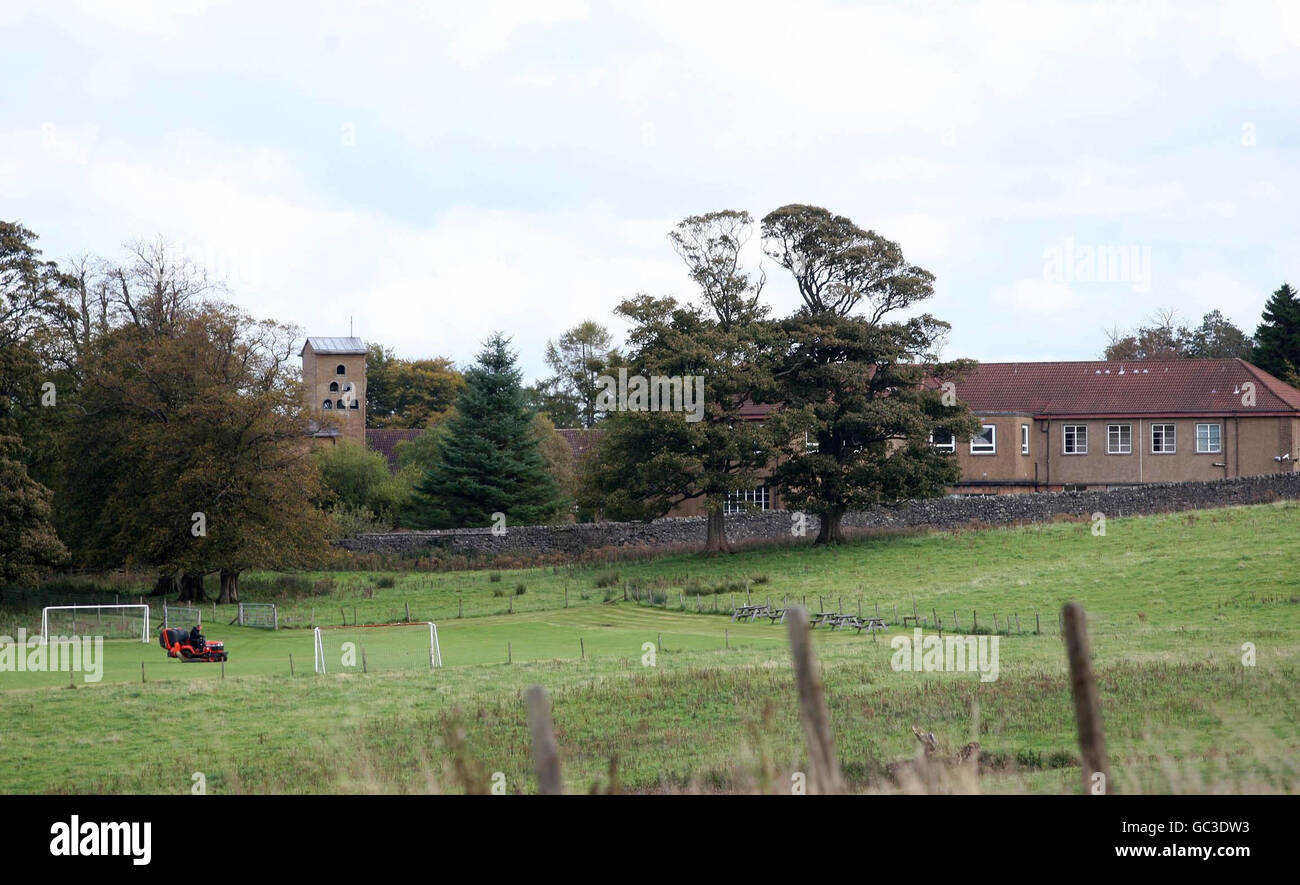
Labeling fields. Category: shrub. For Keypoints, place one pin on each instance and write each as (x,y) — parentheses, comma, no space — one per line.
(386,582)
(1027,758)
(1061,759)
(606,579)
(520,589)
(498,592)
(495,577)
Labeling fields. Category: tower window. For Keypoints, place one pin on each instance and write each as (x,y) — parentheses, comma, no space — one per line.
(340,369)
(327,405)
(334,387)
(340,405)
(355,405)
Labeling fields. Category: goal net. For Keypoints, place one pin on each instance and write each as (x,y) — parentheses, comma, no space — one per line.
(377,647)
(108,621)
(182,615)
(259,614)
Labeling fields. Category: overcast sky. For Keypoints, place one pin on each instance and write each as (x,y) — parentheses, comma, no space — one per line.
(438,171)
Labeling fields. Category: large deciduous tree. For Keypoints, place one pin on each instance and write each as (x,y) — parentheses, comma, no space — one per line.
(29,298)
(1164,337)
(648,462)
(191,450)
(867,391)
(408,393)
(578,358)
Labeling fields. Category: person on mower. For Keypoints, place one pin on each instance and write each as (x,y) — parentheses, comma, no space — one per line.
(196,638)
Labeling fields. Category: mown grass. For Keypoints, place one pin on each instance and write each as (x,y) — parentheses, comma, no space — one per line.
(1170,599)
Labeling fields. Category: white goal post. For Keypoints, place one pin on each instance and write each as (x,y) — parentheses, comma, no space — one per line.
(141,611)
(259,614)
(435,647)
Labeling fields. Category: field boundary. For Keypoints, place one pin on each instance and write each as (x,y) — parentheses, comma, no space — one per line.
(776,525)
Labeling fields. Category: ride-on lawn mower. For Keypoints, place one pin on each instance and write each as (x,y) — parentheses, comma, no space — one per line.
(177,642)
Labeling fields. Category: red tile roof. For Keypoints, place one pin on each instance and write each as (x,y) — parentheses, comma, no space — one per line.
(384,440)
(580,439)
(1139,387)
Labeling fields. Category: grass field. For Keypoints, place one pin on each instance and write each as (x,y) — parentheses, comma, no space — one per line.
(1171,599)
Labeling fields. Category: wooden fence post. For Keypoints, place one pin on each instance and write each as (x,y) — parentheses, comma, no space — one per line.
(1038,627)
(582,649)
(546,757)
(1092,742)
(510,654)
(824,776)
(290,665)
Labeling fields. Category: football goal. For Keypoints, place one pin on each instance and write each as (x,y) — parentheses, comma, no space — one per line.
(259,614)
(108,621)
(377,647)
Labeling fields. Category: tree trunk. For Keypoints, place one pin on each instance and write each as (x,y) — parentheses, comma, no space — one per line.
(166,585)
(716,539)
(192,588)
(830,531)
(229,587)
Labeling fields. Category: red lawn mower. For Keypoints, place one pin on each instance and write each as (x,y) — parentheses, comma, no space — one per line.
(177,642)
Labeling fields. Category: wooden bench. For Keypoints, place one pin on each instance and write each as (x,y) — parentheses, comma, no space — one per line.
(751,612)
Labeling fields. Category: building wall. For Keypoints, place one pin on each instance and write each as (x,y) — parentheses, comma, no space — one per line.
(319,371)
(1248,446)
(1007,464)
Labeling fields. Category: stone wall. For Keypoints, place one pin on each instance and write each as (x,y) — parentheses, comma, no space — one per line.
(936,512)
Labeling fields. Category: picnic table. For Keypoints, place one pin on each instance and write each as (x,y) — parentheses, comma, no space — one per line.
(871,623)
(741,612)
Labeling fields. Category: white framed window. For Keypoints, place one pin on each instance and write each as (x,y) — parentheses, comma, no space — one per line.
(943,440)
(1119,439)
(987,441)
(748,499)
(1209,439)
(810,443)
(1164,439)
(1074,439)
(1024,439)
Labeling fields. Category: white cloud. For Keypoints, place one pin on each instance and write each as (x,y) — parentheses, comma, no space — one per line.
(1037,296)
